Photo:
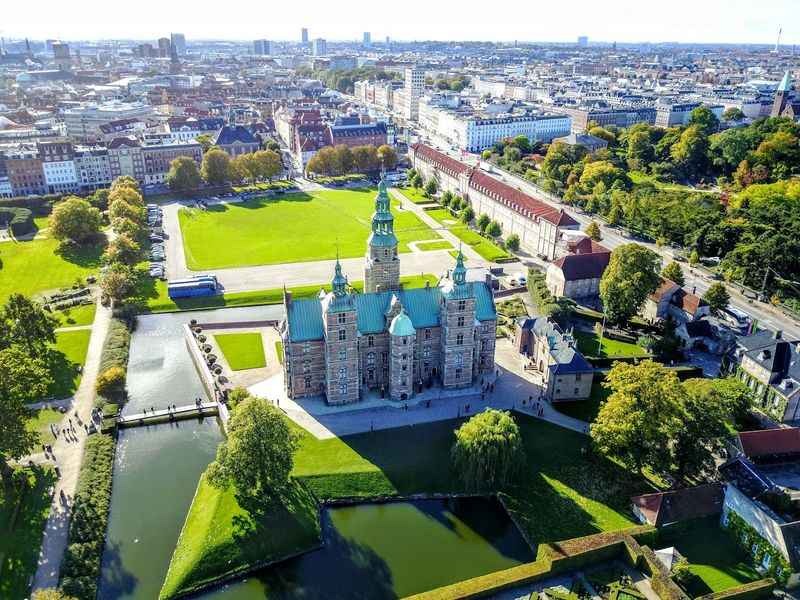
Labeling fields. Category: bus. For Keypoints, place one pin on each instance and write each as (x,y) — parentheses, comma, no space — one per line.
(735,318)
(202,285)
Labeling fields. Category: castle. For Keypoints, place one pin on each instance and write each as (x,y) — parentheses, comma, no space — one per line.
(389,339)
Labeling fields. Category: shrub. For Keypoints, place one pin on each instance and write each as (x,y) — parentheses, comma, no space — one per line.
(19,220)
(512,243)
(493,229)
(111,381)
(114,355)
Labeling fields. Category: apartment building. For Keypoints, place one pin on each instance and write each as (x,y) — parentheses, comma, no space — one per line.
(158,157)
(83,122)
(58,166)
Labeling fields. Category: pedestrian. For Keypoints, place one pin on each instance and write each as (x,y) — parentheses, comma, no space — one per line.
(530,399)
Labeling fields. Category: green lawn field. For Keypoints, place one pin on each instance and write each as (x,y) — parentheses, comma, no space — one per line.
(289,228)
(76,316)
(587,344)
(21,531)
(435,245)
(41,422)
(242,350)
(39,265)
(483,246)
(417,196)
(715,559)
(65,362)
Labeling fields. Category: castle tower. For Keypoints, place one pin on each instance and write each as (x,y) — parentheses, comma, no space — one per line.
(782,95)
(402,336)
(382,268)
(458,311)
(341,342)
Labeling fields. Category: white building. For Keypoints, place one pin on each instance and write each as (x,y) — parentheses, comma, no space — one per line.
(83,122)
(60,176)
(407,99)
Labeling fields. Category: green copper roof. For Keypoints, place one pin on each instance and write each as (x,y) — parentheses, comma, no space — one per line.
(401,325)
(786,83)
(339,283)
(422,305)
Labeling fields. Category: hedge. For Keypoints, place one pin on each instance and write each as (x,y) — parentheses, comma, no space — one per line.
(80,568)
(114,356)
(39,205)
(20,220)
(747,591)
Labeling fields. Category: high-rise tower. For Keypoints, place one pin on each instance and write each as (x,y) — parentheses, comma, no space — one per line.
(382,268)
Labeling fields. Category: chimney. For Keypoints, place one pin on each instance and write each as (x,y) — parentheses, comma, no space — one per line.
(778,334)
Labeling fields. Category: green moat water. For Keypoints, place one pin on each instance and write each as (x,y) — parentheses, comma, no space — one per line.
(371,550)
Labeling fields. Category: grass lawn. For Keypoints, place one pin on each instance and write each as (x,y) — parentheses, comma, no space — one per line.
(41,423)
(242,350)
(585,410)
(289,228)
(222,529)
(417,196)
(76,316)
(483,246)
(279,351)
(587,344)
(39,265)
(65,362)
(22,519)
(639,178)
(435,245)
(153,295)
(714,556)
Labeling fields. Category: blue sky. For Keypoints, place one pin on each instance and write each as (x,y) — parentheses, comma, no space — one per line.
(737,21)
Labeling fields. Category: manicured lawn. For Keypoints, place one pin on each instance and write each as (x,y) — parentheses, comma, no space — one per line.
(153,295)
(436,245)
(639,178)
(483,246)
(279,351)
(41,423)
(78,315)
(587,344)
(715,558)
(65,362)
(289,228)
(585,410)
(39,265)
(417,196)
(242,350)
(223,534)
(21,531)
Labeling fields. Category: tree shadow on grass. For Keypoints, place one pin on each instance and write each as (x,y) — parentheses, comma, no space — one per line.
(87,256)
(261,202)
(64,373)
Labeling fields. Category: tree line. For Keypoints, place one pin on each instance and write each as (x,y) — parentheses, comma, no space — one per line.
(343,160)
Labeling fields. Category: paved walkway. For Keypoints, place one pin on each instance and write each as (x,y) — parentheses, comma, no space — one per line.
(68,455)
(73,328)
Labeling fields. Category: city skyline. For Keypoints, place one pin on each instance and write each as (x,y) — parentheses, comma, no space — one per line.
(686,22)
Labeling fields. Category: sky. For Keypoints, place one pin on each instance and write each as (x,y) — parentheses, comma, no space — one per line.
(704,21)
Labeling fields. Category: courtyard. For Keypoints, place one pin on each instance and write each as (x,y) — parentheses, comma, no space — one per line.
(289,228)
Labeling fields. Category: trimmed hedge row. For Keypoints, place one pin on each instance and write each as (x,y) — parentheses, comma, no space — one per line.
(113,359)
(755,590)
(80,568)
(21,219)
(41,206)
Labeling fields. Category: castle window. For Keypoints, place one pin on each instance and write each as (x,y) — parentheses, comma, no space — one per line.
(427,334)
(458,373)
(342,335)
(459,359)
(576,391)
(343,388)
(426,352)
(342,318)
(405,341)
(371,343)
(342,372)
(460,321)
(403,381)
(307,382)
(386,252)
(342,354)
(577,376)
(460,339)
(462,305)
(370,358)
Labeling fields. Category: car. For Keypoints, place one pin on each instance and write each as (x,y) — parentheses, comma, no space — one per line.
(679,257)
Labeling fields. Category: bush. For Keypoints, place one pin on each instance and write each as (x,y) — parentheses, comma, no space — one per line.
(87,531)
(111,381)
(20,220)
(114,356)
(39,205)
(512,243)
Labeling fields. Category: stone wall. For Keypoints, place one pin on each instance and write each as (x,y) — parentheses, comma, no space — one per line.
(341,357)
(457,359)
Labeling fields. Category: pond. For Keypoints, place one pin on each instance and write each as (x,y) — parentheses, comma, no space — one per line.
(392,550)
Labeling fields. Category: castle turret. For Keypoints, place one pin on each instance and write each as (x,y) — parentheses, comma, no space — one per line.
(458,328)
(401,363)
(341,342)
(782,95)
(382,268)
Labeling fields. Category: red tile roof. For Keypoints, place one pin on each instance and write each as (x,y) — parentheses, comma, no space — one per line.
(663,508)
(583,266)
(666,287)
(449,165)
(770,441)
(687,302)
(586,245)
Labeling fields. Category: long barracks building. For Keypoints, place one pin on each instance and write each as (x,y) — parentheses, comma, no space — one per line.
(538,225)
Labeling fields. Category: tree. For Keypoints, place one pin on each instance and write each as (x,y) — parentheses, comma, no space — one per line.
(640,151)
(512,243)
(123,249)
(593,231)
(446,198)
(99,199)
(523,143)
(705,119)
(488,451)
(323,162)
(467,214)
(117,281)
(641,415)
(690,154)
(268,164)
(256,457)
(512,154)
(125,193)
(183,176)
(717,297)
(632,274)
(110,382)
(733,113)
(694,258)
(125,181)
(431,188)
(483,222)
(388,157)
(22,378)
(75,220)
(493,229)
(365,159)
(416,181)
(273,145)
(122,209)
(343,159)
(674,272)
(25,323)
(51,594)
(205,140)
(216,167)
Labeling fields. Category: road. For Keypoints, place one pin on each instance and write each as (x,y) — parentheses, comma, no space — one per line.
(698,280)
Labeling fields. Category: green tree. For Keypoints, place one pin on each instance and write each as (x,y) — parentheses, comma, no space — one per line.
(365,159)
(483,222)
(216,167)
(641,416)
(640,152)
(603,134)
(674,272)
(205,141)
(125,181)
(343,159)
(431,188)
(705,119)
(523,143)
(183,176)
(512,243)
(123,249)
(257,455)
(467,214)
(694,258)
(268,164)
(717,297)
(120,208)
(75,220)
(690,154)
(117,281)
(493,229)
(99,199)
(632,274)
(25,323)
(488,451)
(22,378)
(323,162)
(593,231)
(387,156)
(512,154)
(51,594)
(733,113)
(416,181)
